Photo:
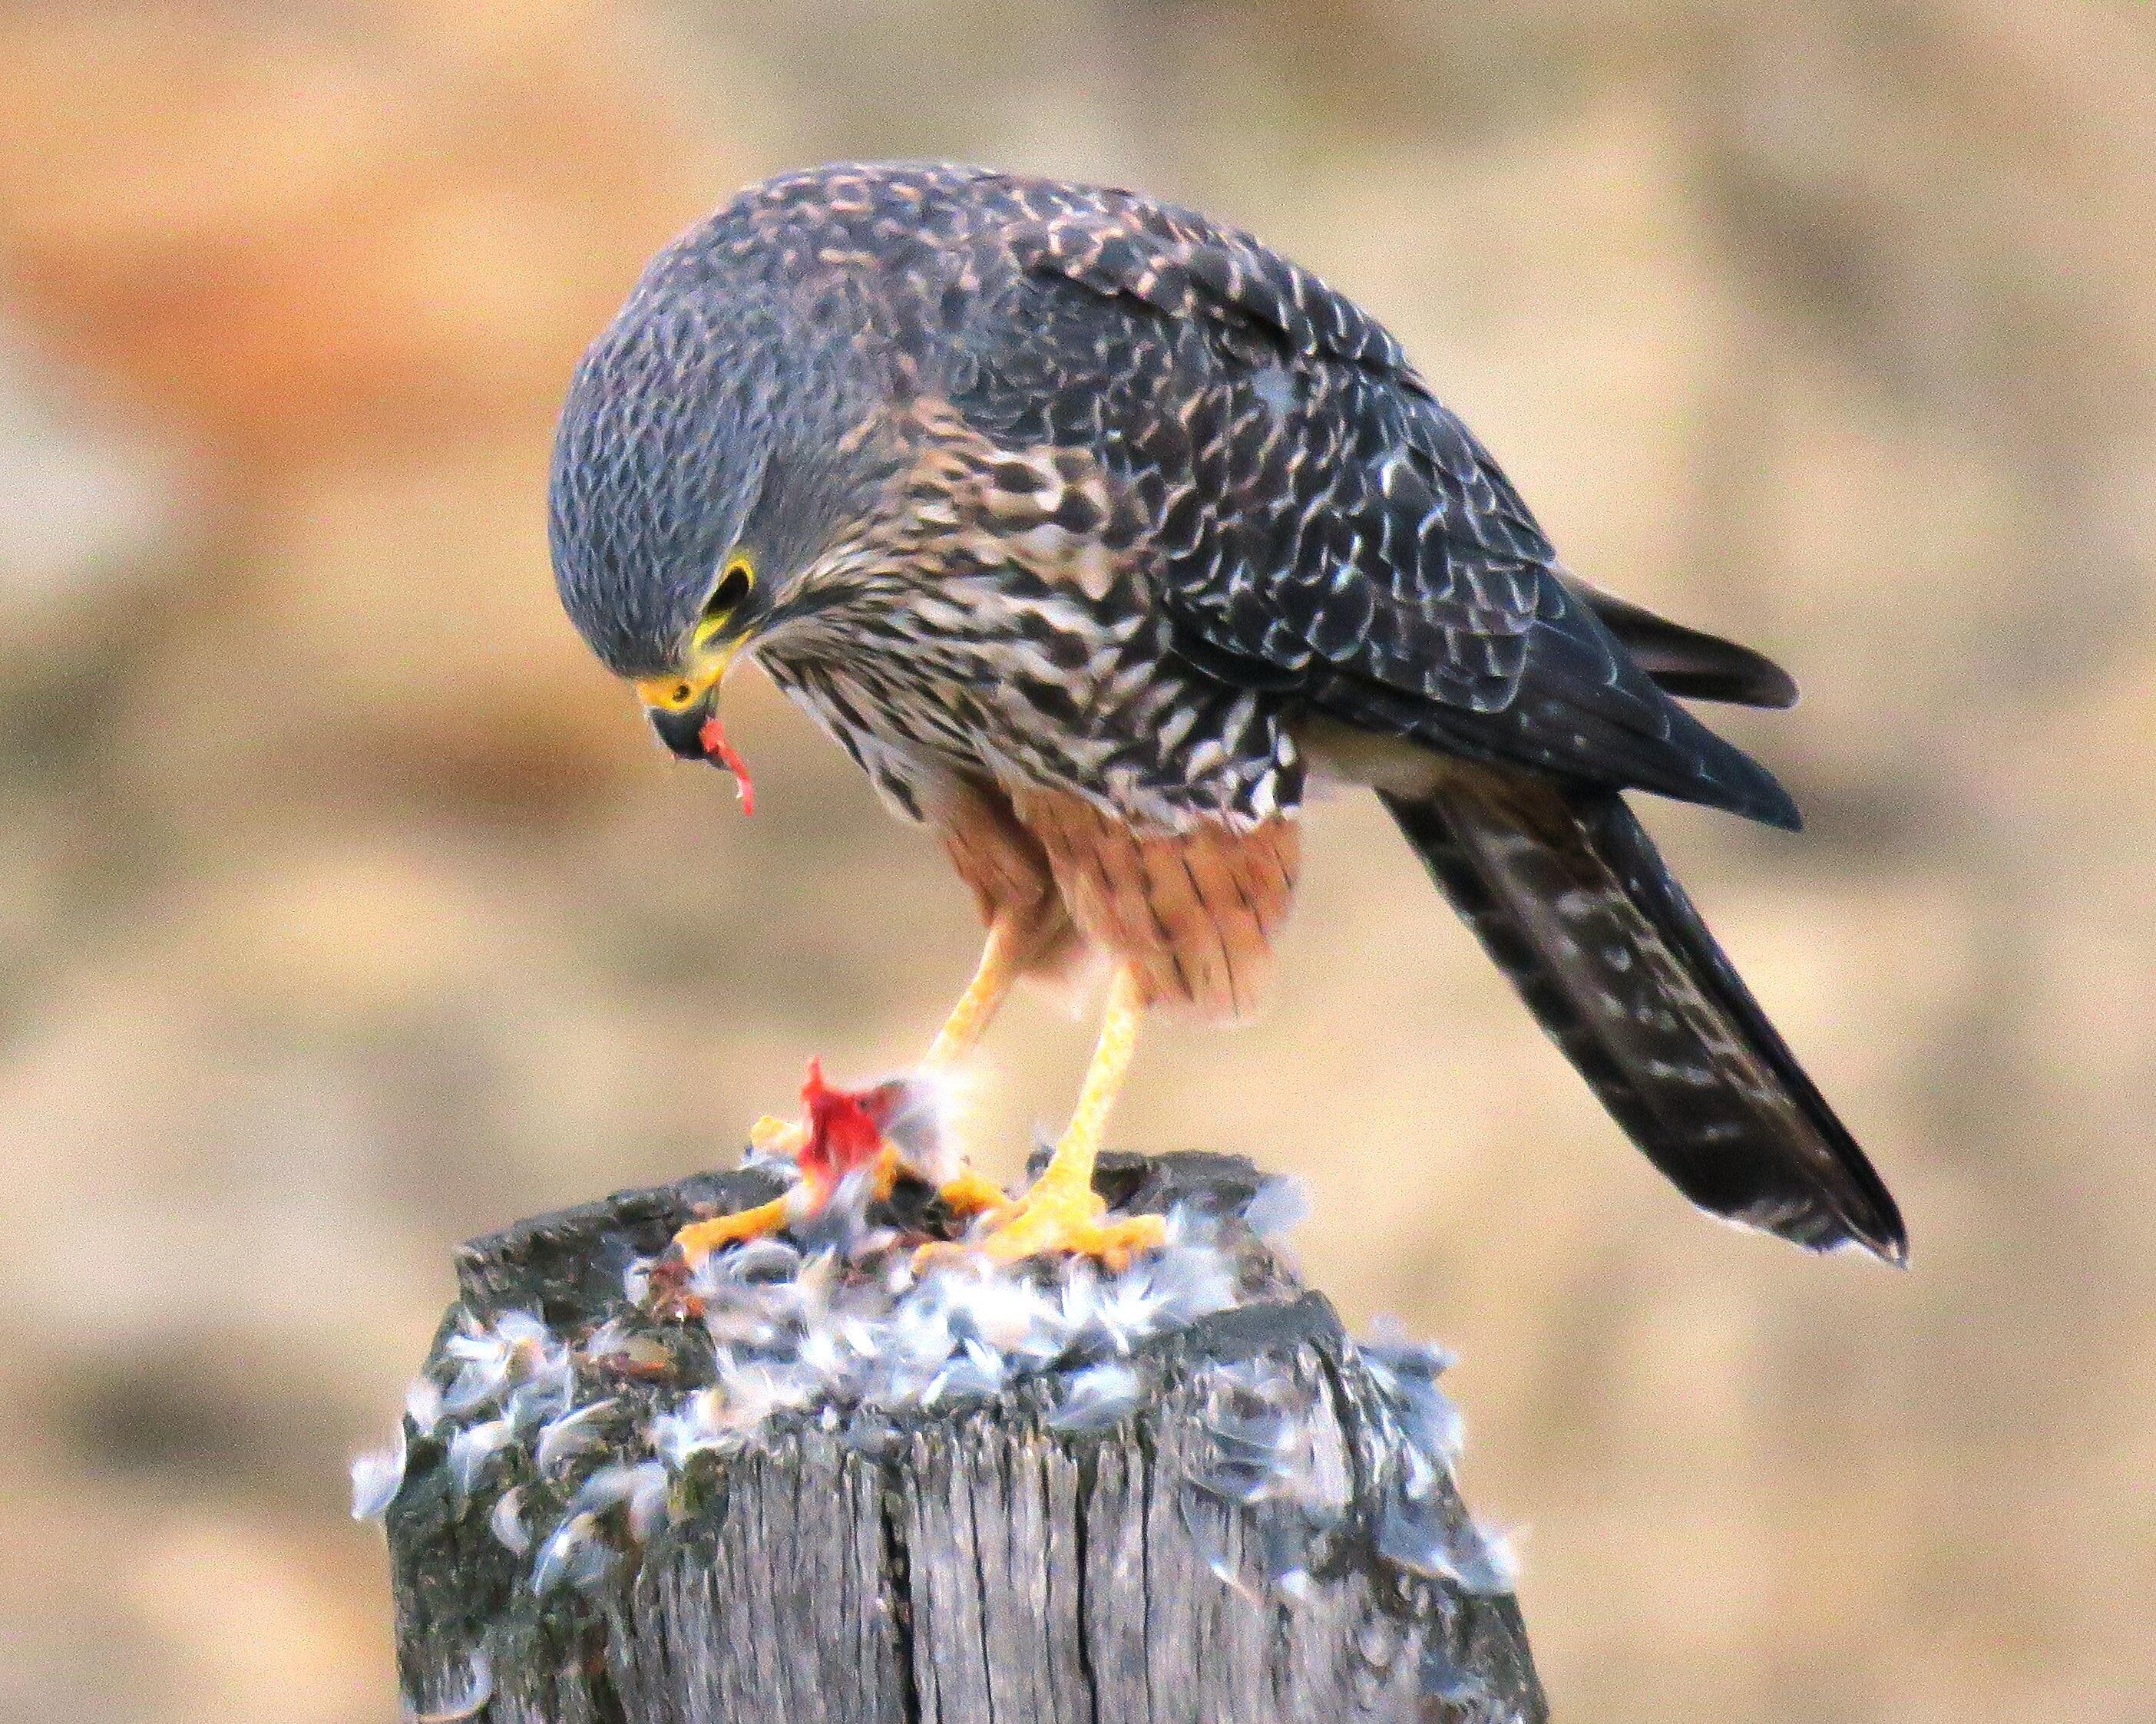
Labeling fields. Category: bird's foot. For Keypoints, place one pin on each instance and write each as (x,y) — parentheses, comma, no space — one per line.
(1061,1215)
(1054,1219)
(968,1192)
(807,1200)
(700,1238)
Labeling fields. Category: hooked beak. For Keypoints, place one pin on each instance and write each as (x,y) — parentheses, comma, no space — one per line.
(681,728)
(684,712)
(681,707)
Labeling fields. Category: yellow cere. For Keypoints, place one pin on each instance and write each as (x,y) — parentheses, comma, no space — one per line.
(673,694)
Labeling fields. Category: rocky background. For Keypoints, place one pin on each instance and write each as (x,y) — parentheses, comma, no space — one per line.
(345,911)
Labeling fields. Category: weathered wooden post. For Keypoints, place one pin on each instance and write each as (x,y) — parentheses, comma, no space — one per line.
(816,1485)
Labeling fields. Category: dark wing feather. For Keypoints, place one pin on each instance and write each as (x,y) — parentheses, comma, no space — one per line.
(1686,661)
(1326,523)
(1571,899)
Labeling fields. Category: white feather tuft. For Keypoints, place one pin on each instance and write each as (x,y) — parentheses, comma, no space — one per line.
(377,1477)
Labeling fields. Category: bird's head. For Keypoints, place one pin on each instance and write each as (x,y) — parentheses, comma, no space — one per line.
(714,451)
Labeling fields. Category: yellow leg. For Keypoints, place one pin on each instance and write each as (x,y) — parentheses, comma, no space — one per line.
(984,995)
(1002,959)
(1062,1212)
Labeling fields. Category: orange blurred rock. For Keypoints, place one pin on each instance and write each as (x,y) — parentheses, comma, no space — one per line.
(297,230)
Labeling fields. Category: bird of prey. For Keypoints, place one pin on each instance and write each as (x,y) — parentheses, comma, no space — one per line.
(1099,535)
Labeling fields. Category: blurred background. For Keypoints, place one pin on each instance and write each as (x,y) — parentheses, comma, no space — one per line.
(347,909)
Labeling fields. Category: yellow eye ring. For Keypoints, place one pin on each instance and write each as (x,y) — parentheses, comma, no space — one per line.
(736,582)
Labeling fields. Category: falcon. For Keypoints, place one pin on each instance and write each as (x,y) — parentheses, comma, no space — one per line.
(1101,536)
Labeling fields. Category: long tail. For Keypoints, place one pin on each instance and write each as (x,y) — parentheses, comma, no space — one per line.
(1569,895)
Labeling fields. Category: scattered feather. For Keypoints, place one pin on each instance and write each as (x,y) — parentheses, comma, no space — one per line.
(506,1522)
(472,1448)
(1281,1205)
(516,1352)
(769,1261)
(651,1501)
(377,1477)
(478,1382)
(1428,1422)
(572,1434)
(574,1554)
(614,1348)
(1418,1535)
(423,1404)
(1096,1397)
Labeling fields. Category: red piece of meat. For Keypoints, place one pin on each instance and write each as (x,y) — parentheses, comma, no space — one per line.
(720,752)
(845,1126)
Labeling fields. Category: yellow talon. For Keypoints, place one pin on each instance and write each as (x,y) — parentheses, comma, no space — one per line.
(1062,1212)
(1002,959)
(700,1238)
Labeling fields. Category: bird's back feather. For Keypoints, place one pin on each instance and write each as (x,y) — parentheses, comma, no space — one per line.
(1326,527)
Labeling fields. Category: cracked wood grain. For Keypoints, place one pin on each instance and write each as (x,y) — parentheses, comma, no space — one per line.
(982,1566)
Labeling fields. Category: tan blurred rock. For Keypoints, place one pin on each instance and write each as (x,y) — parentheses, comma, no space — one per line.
(407,624)
(254,1621)
(96,499)
(347,259)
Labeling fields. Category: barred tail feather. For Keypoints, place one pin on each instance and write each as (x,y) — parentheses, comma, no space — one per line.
(1570,897)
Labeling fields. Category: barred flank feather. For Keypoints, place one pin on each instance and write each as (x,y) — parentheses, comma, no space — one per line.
(1569,897)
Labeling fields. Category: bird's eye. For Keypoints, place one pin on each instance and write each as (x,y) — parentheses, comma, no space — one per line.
(733,589)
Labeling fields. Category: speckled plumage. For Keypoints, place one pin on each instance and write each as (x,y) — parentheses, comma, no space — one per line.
(1080,502)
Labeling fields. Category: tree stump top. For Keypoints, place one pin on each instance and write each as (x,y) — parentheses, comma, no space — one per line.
(810,1483)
